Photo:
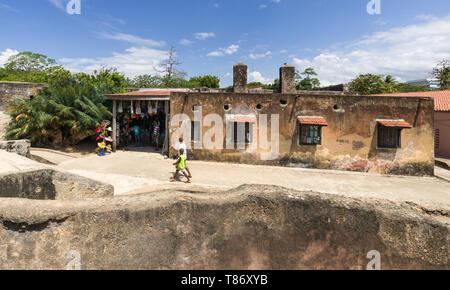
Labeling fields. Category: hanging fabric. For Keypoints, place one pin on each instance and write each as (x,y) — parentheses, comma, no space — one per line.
(150,107)
(138,109)
(132,108)
(120,109)
(156,107)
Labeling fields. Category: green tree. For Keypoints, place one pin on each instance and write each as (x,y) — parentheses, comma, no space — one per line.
(206,81)
(442,73)
(370,84)
(59,115)
(29,62)
(3,73)
(390,80)
(275,86)
(255,85)
(406,88)
(109,80)
(307,80)
(30,67)
(175,82)
(68,111)
(147,81)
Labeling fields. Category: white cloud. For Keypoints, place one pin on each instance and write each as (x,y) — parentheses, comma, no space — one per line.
(7,7)
(185,41)
(204,35)
(58,3)
(256,76)
(408,52)
(133,39)
(216,5)
(283,51)
(276,1)
(262,6)
(6,54)
(261,55)
(232,49)
(133,61)
(426,17)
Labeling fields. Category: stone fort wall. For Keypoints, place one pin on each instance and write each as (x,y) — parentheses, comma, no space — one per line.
(11,90)
(248,228)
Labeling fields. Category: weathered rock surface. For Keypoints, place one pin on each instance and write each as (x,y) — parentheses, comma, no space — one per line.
(21,147)
(21,177)
(251,227)
(49,184)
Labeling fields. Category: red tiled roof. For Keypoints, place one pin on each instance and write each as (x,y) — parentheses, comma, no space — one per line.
(313,121)
(145,93)
(395,123)
(441,98)
(242,118)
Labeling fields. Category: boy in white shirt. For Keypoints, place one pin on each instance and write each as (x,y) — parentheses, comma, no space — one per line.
(183,146)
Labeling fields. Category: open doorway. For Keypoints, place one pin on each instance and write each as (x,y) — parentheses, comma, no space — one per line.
(141,125)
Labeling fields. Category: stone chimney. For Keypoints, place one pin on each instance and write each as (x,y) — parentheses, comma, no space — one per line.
(240,78)
(287,79)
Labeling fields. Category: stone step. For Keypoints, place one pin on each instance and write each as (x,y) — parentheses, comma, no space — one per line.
(442,173)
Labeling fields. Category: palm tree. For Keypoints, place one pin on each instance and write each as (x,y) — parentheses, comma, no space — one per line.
(59,115)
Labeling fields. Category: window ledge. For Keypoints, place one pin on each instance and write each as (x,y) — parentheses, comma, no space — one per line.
(309,145)
(390,149)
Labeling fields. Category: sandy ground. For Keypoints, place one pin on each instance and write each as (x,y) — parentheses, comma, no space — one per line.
(142,172)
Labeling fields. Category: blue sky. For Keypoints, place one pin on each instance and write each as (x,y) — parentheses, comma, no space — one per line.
(339,38)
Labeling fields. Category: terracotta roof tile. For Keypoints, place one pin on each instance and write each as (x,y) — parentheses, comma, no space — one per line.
(313,121)
(242,118)
(145,93)
(395,123)
(441,98)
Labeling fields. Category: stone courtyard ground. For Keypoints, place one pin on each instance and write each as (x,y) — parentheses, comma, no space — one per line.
(141,172)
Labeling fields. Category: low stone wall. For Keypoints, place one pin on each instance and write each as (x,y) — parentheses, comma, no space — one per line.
(251,227)
(21,147)
(11,90)
(48,184)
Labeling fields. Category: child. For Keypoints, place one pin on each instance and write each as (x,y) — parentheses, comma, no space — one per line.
(181,167)
(137,135)
(156,131)
(125,136)
(184,148)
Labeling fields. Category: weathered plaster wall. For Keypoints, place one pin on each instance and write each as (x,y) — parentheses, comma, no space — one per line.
(11,90)
(48,184)
(442,123)
(349,142)
(252,227)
